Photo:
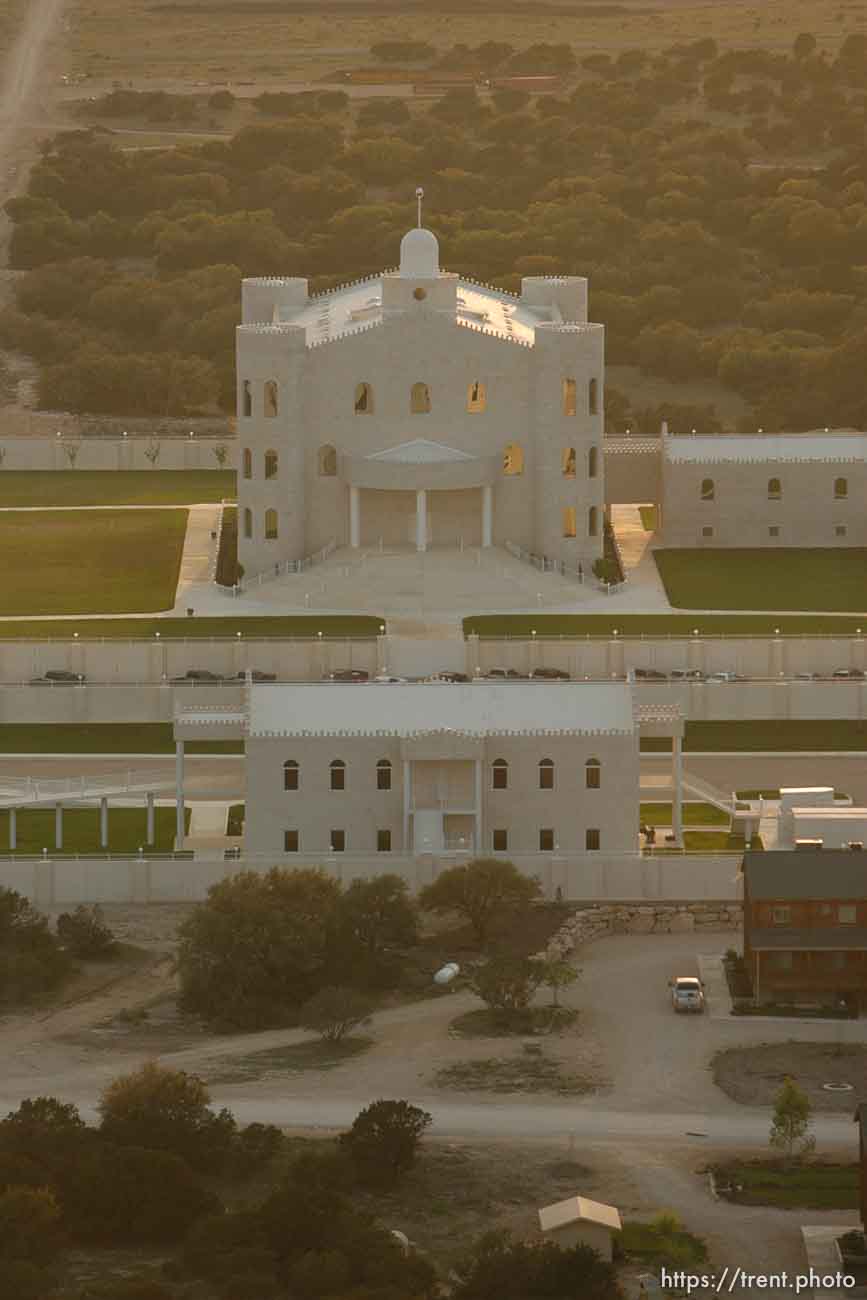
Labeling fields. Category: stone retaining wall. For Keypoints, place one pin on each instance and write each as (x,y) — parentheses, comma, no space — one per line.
(641,918)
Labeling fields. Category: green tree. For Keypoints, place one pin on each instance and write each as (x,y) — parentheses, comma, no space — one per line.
(335,1012)
(791,1121)
(85,934)
(384,1140)
(31,960)
(377,916)
(481,891)
(29,1224)
(166,1110)
(258,948)
(556,975)
(500,1268)
(507,984)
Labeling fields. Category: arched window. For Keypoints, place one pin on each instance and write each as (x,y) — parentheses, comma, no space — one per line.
(270,525)
(327,461)
(477,398)
(708,491)
(383,774)
(338,774)
(270,464)
(569,526)
(593,397)
(775,490)
(592,522)
(841,489)
(271,399)
(546,774)
(363,399)
(567,462)
(248,523)
(248,463)
(570,397)
(246,398)
(290,774)
(500,774)
(593,462)
(419,399)
(513,458)
(593,774)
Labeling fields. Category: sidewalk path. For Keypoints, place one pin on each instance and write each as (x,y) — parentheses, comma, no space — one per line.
(199,558)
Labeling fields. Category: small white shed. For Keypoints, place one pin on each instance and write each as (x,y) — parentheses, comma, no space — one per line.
(579,1221)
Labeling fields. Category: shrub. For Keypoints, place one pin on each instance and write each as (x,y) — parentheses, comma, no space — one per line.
(31,959)
(254,1146)
(507,984)
(384,1140)
(335,1012)
(85,934)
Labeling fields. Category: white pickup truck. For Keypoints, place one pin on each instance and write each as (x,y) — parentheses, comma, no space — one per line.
(687,993)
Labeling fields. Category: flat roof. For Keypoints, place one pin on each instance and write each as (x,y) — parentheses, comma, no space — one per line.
(410,709)
(846,445)
(578,1209)
(800,874)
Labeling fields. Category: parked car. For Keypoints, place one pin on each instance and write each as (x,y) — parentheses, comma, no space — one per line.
(257,675)
(649,675)
(806,677)
(384,677)
(506,674)
(687,993)
(58,676)
(447,676)
(198,675)
(726,677)
(847,674)
(347,675)
(550,674)
(686,675)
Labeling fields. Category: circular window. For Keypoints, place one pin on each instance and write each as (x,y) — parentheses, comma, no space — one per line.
(419,293)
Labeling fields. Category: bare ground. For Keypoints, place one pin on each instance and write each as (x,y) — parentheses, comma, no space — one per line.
(753,1075)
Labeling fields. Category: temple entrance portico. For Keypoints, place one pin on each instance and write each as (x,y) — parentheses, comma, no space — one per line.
(420,493)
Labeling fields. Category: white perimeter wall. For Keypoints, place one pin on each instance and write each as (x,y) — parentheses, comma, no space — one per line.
(115,453)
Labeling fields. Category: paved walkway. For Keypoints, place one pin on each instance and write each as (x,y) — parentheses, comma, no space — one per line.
(199,558)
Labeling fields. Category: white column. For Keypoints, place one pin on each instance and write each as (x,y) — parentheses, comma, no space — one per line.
(479,846)
(487,515)
(421,520)
(179,795)
(407,796)
(677,789)
(13,829)
(58,825)
(103,823)
(150,837)
(354,518)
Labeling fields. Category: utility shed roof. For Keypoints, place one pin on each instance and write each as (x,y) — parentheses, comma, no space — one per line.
(578,1209)
(720,449)
(806,874)
(411,709)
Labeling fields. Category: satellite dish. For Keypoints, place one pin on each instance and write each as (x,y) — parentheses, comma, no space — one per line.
(447,973)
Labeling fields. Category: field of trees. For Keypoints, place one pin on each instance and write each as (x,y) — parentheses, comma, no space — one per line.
(717,201)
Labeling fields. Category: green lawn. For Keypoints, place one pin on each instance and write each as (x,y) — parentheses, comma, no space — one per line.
(604,625)
(694,814)
(300,626)
(127,828)
(648,517)
(795,578)
(103,738)
(767,735)
(663,1242)
(57,562)
(804,1186)
(111,487)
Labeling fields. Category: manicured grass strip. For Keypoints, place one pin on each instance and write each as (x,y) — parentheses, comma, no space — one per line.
(694,814)
(648,517)
(127,829)
(794,578)
(57,562)
(113,487)
(767,735)
(662,1242)
(806,1186)
(675,625)
(125,629)
(103,738)
(227,555)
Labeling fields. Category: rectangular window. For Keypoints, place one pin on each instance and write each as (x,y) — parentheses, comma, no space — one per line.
(500,780)
(290,841)
(840,530)
(546,841)
(592,838)
(570,399)
(773,531)
(338,841)
(500,841)
(707,532)
(846,914)
(781,915)
(290,776)
(546,776)
(568,521)
(383,777)
(338,778)
(383,841)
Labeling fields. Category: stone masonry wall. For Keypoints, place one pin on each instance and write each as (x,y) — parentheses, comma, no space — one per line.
(641,918)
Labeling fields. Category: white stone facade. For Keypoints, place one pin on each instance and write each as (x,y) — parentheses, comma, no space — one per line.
(417,409)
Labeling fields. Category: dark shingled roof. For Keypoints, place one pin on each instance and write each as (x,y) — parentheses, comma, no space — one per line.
(806,874)
(848,937)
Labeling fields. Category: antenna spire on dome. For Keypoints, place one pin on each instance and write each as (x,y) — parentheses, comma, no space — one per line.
(419,195)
